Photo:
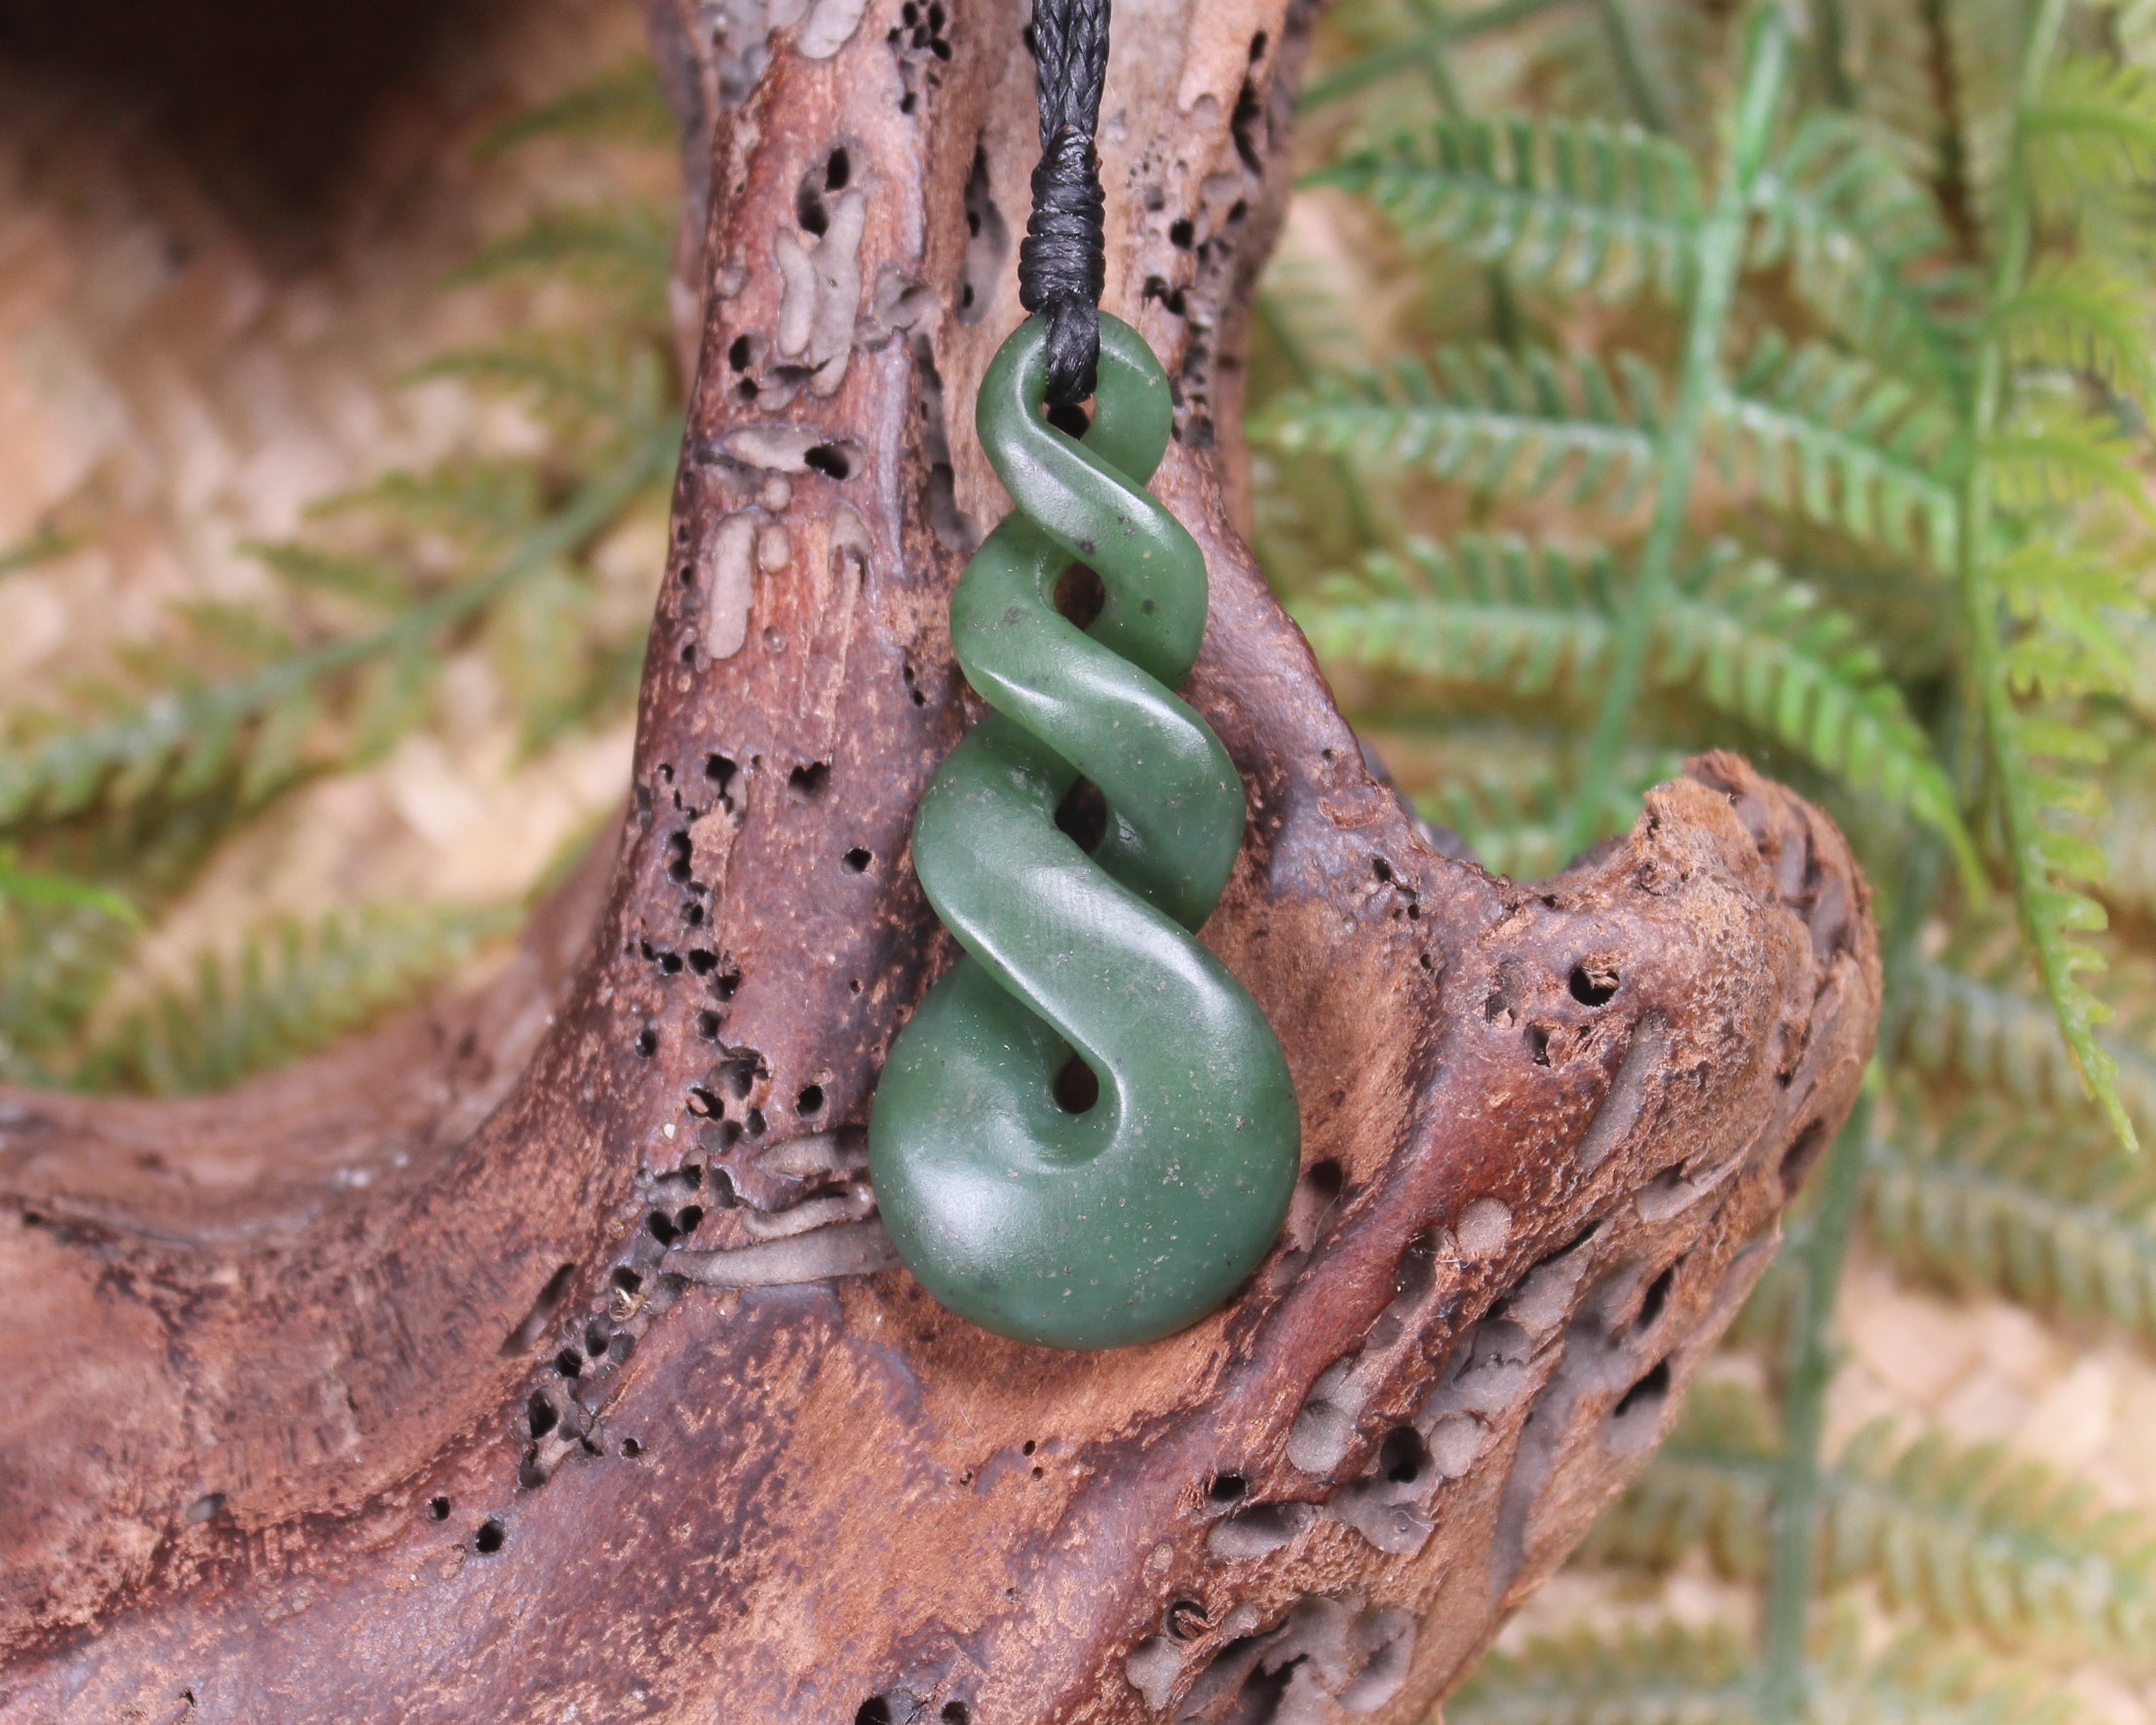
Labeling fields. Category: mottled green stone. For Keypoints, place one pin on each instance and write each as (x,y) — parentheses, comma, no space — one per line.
(1140,1215)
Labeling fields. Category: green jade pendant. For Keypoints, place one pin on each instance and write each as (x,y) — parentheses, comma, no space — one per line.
(1143,1213)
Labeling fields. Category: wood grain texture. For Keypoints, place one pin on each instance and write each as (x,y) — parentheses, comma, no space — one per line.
(534,1359)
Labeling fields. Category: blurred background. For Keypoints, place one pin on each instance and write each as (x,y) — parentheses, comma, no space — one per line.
(1634,377)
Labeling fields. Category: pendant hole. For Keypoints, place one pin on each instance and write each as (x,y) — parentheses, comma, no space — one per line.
(1079,594)
(1077,1089)
(1083,816)
(1070,417)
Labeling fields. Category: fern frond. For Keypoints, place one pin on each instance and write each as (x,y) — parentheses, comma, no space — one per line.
(56,965)
(479,501)
(625,247)
(2094,124)
(1515,817)
(253,726)
(39,548)
(1676,1674)
(2083,314)
(1490,419)
(571,379)
(2042,811)
(1967,1536)
(1866,249)
(1990,1034)
(623,104)
(1838,443)
(2053,453)
(288,990)
(1494,611)
(1668,1675)
(1918,1682)
(1739,637)
(1579,205)
(1747,640)
(2062,1221)
(35,889)
(374,581)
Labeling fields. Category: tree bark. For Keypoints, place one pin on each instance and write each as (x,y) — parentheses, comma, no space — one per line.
(539,1357)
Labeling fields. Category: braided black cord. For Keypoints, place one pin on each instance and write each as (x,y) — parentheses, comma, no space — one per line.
(1062,261)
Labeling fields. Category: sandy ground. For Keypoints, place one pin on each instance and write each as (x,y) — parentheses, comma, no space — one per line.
(170,389)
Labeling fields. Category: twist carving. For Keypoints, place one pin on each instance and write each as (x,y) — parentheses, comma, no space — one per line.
(1137,1214)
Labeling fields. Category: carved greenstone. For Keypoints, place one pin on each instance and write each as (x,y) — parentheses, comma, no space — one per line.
(1139,1215)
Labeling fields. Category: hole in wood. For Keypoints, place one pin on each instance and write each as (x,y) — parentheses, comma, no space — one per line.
(1185,1619)
(859,857)
(541,1313)
(1592,984)
(1798,1159)
(488,1539)
(1650,1392)
(1656,1297)
(1402,1457)
(438,1509)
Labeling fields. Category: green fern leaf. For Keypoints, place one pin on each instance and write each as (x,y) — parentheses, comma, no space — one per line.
(38,889)
(624,248)
(1490,419)
(1834,440)
(1990,1034)
(2053,453)
(623,104)
(182,743)
(40,548)
(1664,1675)
(2094,124)
(1866,249)
(2062,1220)
(374,581)
(1676,1675)
(575,380)
(2084,314)
(483,502)
(1515,816)
(1737,636)
(1973,1540)
(289,989)
(57,964)
(1576,204)
(2045,855)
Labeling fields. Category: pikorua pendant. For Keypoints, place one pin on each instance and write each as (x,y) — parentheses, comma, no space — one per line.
(1086,1136)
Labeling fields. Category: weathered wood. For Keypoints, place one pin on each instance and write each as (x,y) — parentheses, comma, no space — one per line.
(519,1361)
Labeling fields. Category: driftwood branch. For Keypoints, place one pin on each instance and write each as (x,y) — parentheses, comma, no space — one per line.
(537,1357)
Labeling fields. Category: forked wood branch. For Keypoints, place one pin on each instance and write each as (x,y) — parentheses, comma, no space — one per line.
(531,1359)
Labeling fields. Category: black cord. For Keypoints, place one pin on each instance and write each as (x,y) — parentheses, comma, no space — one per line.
(1062,259)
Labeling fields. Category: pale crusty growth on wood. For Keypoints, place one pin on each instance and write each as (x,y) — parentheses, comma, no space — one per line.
(472,1373)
